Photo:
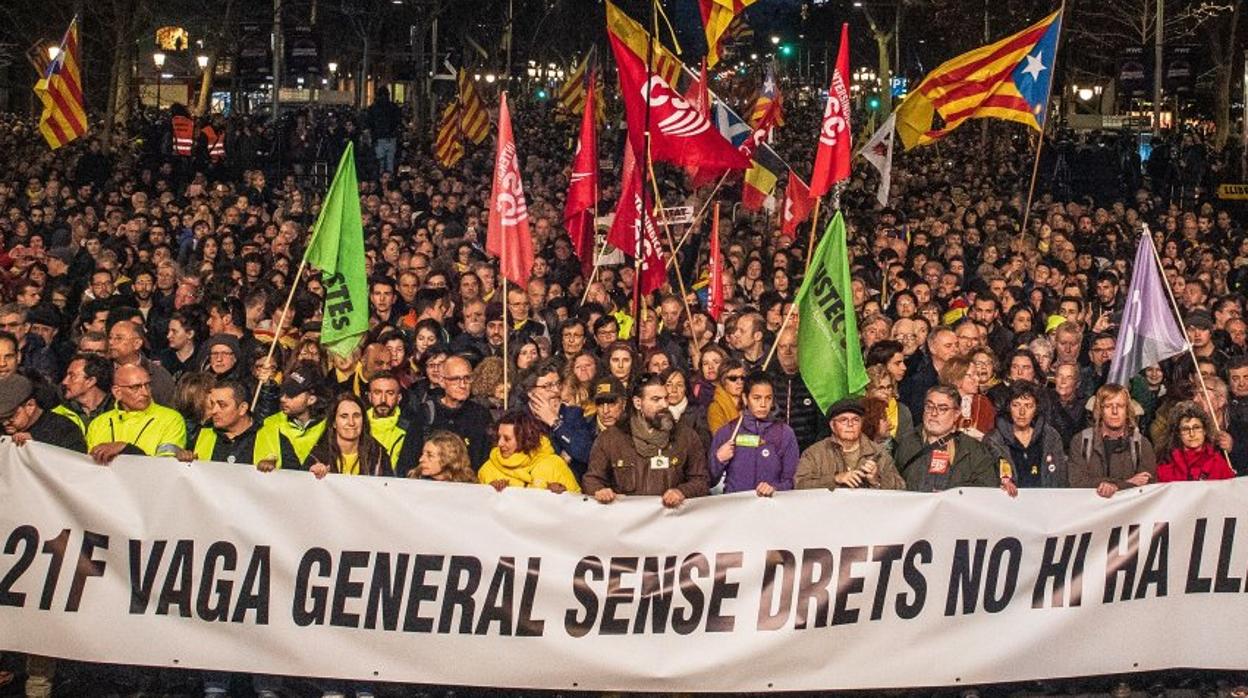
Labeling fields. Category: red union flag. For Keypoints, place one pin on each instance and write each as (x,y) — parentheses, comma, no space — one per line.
(628,229)
(715,295)
(680,132)
(832,158)
(508,234)
(578,212)
(797,205)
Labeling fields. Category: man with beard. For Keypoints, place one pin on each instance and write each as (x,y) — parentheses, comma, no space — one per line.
(232,438)
(286,438)
(387,423)
(648,454)
(937,456)
(608,395)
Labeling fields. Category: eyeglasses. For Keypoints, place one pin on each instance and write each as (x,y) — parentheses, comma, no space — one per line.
(220,354)
(938,409)
(548,385)
(734,379)
(457,379)
(136,386)
(1192,429)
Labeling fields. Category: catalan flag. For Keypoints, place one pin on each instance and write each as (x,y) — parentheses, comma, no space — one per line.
(572,92)
(717,15)
(1006,80)
(738,31)
(64,117)
(635,36)
(768,105)
(475,120)
(448,147)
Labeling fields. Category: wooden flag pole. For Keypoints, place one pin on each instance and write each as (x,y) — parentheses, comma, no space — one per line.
(281,320)
(810,252)
(810,244)
(680,277)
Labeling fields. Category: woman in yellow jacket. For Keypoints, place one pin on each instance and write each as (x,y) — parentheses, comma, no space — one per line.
(726,405)
(525,458)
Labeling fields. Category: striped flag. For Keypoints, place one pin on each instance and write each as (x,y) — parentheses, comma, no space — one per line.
(717,15)
(738,31)
(449,145)
(572,92)
(475,120)
(64,117)
(1006,80)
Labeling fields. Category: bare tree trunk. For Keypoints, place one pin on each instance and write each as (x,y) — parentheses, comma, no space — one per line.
(882,39)
(1222,50)
(214,54)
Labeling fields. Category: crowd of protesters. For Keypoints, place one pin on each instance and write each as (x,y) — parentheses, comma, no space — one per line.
(142,294)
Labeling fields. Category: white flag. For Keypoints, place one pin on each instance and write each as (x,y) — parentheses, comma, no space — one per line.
(879,152)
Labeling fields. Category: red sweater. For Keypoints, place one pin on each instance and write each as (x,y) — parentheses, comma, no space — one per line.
(1204,463)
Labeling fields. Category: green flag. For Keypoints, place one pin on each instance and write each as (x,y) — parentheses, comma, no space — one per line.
(828,351)
(337,249)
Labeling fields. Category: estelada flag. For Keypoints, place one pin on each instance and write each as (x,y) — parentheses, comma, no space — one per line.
(1006,80)
(60,90)
(633,233)
(832,157)
(508,234)
(679,133)
(578,210)
(797,205)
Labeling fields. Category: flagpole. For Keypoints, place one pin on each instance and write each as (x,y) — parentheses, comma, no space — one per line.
(1182,326)
(680,277)
(693,224)
(814,226)
(637,301)
(1035,165)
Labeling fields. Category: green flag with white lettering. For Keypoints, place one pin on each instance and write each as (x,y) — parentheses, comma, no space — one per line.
(828,353)
(337,249)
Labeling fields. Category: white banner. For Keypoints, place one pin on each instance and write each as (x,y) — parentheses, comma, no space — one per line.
(153,562)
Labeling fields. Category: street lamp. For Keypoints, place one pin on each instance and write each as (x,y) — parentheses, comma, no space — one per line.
(202,60)
(775,40)
(159,59)
(53,52)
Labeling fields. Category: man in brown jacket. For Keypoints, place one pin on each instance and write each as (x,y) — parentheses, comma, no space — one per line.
(647,453)
(847,458)
(1111,454)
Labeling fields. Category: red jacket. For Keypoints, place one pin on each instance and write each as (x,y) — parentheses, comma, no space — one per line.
(1204,463)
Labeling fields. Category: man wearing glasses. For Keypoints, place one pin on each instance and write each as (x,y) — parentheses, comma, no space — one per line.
(457,413)
(848,458)
(137,425)
(571,434)
(937,456)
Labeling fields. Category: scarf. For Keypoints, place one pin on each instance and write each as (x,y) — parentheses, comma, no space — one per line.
(646,439)
(679,408)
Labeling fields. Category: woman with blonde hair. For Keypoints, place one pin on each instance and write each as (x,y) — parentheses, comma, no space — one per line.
(881,385)
(444,459)
(573,390)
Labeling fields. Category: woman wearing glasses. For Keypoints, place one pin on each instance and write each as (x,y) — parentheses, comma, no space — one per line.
(1193,455)
(726,405)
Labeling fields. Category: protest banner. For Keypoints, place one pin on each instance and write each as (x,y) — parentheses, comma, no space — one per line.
(206,565)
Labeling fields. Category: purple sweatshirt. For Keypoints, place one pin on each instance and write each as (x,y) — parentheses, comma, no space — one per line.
(772,460)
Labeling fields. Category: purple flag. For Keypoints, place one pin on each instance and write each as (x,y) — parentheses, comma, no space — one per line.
(1148,333)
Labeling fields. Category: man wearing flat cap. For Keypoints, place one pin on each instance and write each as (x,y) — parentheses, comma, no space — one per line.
(847,458)
(25,420)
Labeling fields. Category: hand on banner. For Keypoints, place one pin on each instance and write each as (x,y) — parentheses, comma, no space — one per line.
(268,465)
(1008,486)
(1140,479)
(849,478)
(605,495)
(184,456)
(105,453)
(764,489)
(1106,489)
(21,437)
(557,488)
(320,470)
(499,485)
(673,498)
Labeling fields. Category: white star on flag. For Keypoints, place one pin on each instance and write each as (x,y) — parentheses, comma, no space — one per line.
(1035,66)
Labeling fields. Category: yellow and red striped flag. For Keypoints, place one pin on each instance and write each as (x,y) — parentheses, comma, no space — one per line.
(716,16)
(1006,80)
(572,92)
(64,117)
(475,121)
(449,145)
